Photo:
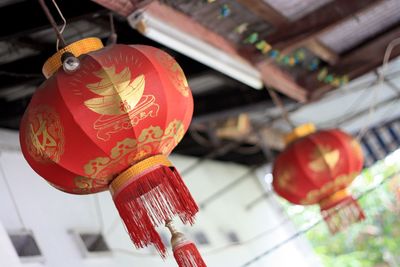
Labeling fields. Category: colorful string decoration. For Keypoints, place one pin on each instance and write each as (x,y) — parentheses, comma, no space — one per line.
(295,59)
(242,28)
(224,11)
(266,48)
(332,79)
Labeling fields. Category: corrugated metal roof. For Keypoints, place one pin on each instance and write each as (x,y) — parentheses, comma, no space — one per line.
(364,25)
(295,9)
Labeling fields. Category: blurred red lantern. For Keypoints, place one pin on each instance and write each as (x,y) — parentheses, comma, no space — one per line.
(108,122)
(316,168)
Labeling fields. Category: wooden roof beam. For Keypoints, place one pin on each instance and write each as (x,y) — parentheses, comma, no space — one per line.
(276,78)
(123,7)
(314,23)
(322,51)
(355,63)
(267,12)
(271,74)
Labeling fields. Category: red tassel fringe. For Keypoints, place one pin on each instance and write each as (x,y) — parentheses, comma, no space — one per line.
(343,214)
(187,255)
(151,200)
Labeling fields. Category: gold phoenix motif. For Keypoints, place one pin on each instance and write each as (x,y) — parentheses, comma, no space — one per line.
(118,95)
(121,104)
(44,134)
(152,140)
(324,157)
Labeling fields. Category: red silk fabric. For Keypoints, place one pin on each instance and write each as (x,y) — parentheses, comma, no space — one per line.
(124,104)
(315,167)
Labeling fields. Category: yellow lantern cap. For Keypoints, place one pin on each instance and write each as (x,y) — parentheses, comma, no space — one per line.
(298,132)
(77,48)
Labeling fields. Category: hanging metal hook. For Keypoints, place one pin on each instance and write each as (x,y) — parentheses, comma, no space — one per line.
(53,23)
(113,36)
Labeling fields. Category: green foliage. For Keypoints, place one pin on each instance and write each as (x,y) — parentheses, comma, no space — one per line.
(374,242)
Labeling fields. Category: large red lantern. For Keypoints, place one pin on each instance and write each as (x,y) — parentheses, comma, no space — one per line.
(316,168)
(110,125)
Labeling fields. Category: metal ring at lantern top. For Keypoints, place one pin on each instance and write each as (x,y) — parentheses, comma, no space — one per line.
(77,48)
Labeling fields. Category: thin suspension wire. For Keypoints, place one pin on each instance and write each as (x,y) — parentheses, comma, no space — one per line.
(113,226)
(133,253)
(20,75)
(252,239)
(381,78)
(14,201)
(338,121)
(113,36)
(99,213)
(278,102)
(284,242)
(316,223)
(52,22)
(222,150)
(351,110)
(64,22)
(268,232)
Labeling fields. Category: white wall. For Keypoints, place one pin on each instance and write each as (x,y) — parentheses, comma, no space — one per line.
(50,214)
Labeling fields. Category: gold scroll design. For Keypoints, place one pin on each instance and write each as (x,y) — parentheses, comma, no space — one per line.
(86,185)
(338,183)
(152,140)
(121,104)
(324,158)
(175,72)
(285,179)
(44,134)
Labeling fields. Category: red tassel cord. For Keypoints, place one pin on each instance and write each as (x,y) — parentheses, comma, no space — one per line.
(185,251)
(187,255)
(343,214)
(151,199)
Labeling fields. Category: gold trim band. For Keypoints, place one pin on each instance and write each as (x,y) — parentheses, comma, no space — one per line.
(138,169)
(299,132)
(335,198)
(77,48)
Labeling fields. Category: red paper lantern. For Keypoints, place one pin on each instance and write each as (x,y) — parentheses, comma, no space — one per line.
(110,125)
(316,169)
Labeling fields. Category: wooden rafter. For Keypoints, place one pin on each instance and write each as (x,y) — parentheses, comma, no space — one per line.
(266,12)
(190,26)
(288,34)
(272,75)
(275,77)
(321,50)
(317,21)
(356,63)
(122,7)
